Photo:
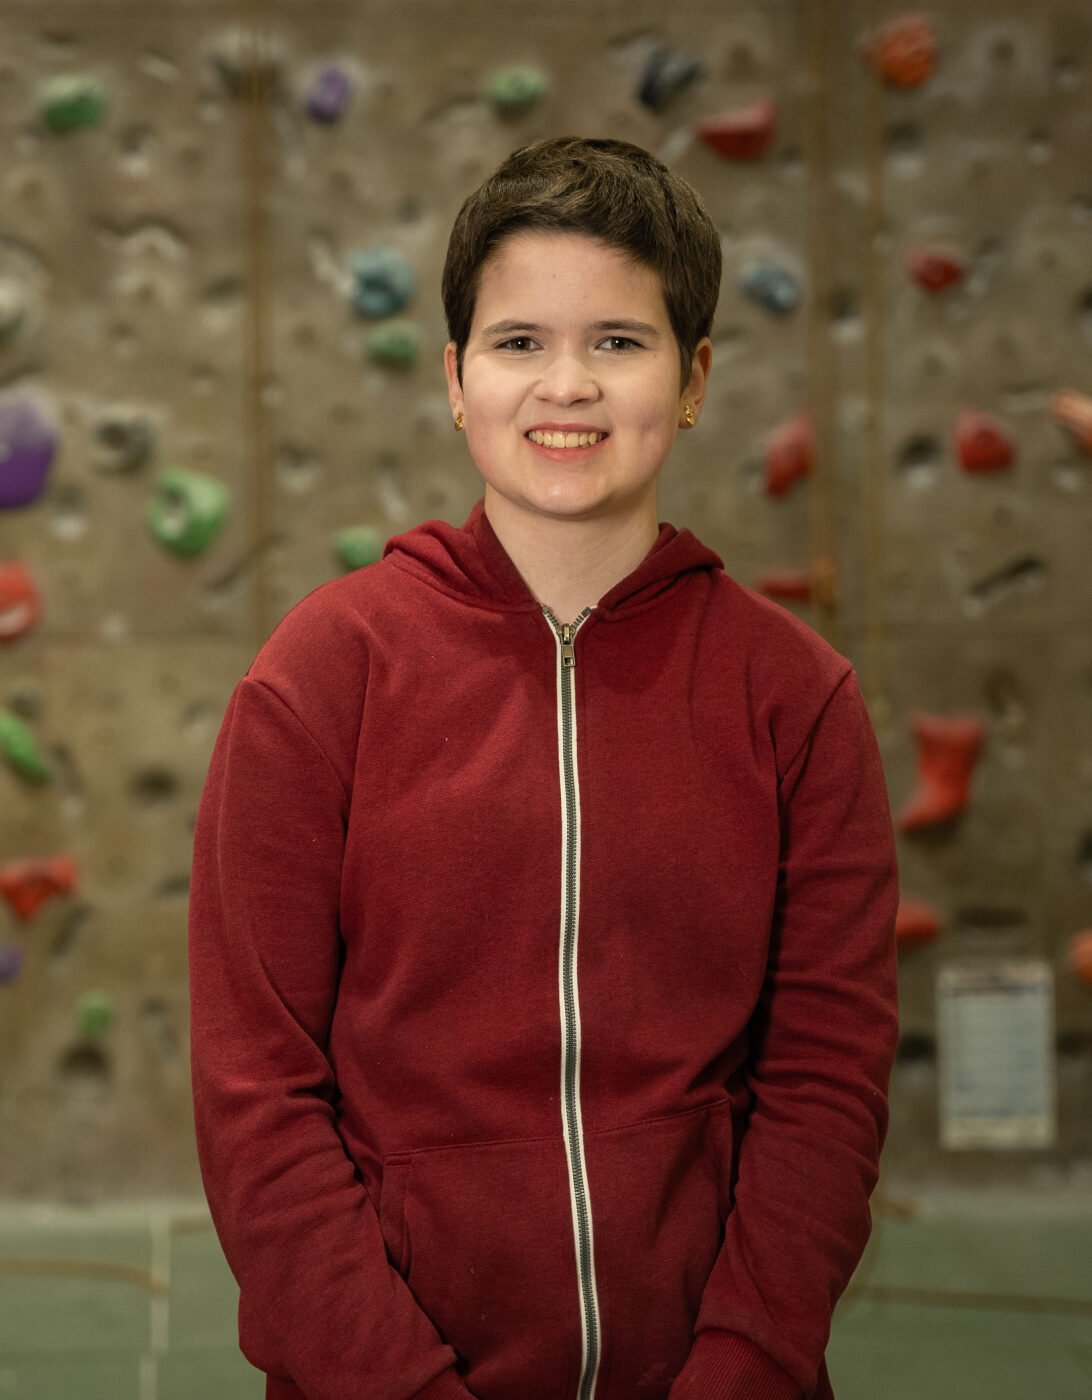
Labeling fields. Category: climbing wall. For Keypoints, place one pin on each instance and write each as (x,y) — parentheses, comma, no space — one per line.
(221,236)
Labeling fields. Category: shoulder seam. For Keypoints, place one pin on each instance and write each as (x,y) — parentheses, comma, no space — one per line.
(849,671)
(255,680)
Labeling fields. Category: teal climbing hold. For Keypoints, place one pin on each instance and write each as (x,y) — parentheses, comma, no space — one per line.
(188,511)
(95,1013)
(18,747)
(395,344)
(514,91)
(383,281)
(71,101)
(359,545)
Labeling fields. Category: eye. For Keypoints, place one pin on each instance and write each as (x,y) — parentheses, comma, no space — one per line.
(506,343)
(625,339)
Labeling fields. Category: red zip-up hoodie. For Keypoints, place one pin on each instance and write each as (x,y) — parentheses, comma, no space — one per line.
(543,985)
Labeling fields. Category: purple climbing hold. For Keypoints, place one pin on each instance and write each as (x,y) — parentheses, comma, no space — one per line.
(328,96)
(28,444)
(11,962)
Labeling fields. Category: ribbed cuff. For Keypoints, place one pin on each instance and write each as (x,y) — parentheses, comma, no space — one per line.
(727,1366)
(446,1386)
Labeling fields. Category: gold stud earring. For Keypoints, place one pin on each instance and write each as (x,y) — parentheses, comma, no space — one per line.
(690,419)
(459,421)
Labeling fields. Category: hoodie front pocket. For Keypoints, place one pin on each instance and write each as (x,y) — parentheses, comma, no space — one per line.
(660,1197)
(489,1258)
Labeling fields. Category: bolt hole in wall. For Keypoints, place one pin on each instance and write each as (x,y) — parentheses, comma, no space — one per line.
(221,389)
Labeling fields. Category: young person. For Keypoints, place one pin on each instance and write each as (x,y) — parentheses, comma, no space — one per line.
(542,947)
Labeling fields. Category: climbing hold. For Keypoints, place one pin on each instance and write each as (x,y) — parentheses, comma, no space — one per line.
(189,511)
(1079,956)
(126,440)
(250,61)
(934,269)
(11,962)
(13,308)
(904,51)
(797,584)
(1074,412)
(359,545)
(383,281)
(27,884)
(71,101)
(95,1013)
(773,287)
(395,344)
(982,445)
(915,922)
(514,91)
(744,133)
(790,455)
(29,443)
(20,601)
(667,73)
(948,749)
(17,746)
(328,96)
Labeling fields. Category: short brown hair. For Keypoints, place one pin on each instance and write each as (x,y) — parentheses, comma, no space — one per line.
(610,190)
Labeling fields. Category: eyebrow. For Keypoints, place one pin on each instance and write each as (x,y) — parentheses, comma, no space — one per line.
(641,327)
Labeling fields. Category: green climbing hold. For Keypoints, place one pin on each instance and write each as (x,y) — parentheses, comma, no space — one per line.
(189,510)
(71,101)
(17,744)
(516,90)
(95,1013)
(359,545)
(394,344)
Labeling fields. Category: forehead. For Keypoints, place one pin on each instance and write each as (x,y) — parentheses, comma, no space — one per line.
(531,265)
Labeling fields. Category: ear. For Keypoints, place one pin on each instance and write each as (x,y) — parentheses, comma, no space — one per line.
(454,390)
(701,365)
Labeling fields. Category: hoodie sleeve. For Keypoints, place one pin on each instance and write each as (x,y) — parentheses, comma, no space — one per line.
(319,1302)
(825,1031)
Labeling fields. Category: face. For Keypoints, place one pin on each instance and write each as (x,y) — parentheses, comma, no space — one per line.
(549,344)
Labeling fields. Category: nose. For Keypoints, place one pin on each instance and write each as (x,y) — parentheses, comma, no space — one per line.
(567,379)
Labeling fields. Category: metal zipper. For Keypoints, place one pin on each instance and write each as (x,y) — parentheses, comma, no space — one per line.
(570,1001)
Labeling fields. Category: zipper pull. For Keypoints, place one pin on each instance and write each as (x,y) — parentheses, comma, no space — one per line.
(568,656)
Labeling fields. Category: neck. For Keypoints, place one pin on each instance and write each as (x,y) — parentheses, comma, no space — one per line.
(570,564)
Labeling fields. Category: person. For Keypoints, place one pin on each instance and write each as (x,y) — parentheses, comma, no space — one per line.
(542,958)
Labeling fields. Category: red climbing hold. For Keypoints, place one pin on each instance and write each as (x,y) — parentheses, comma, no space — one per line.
(903,52)
(797,584)
(1079,957)
(27,884)
(20,602)
(948,749)
(744,133)
(791,454)
(982,445)
(934,269)
(915,922)
(1074,411)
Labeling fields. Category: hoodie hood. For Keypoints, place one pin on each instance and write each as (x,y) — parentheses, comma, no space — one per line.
(468,561)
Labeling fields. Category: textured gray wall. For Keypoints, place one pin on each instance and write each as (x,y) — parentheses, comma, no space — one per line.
(175,293)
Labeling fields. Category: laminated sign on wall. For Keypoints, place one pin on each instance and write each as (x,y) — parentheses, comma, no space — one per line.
(995,1020)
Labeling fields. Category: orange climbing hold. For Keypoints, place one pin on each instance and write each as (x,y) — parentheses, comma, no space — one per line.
(1080,956)
(1074,411)
(904,52)
(744,133)
(948,749)
(27,884)
(982,445)
(915,922)
(20,601)
(791,454)
(934,269)
(797,584)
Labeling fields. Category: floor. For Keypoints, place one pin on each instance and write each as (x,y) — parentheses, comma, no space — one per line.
(958,1296)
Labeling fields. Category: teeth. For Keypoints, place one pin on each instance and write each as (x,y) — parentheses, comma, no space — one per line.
(565,439)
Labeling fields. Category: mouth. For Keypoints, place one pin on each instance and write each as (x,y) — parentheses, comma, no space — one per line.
(554,445)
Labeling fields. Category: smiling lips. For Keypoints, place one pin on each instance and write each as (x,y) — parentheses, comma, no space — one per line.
(568,440)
